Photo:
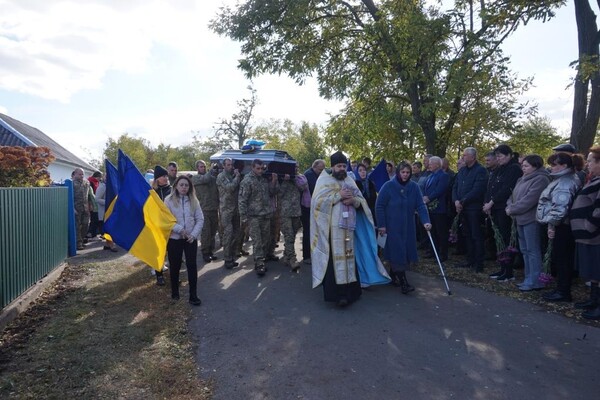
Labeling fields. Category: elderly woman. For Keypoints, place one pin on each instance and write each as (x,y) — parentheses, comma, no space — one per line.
(367,188)
(522,206)
(552,211)
(397,202)
(585,224)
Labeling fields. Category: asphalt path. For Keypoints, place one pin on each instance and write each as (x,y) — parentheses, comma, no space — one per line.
(275,338)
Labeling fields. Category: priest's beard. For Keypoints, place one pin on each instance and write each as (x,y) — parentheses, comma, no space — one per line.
(339,175)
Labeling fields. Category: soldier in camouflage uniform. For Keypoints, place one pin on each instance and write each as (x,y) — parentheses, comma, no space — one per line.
(205,186)
(228,183)
(255,207)
(289,202)
(82,196)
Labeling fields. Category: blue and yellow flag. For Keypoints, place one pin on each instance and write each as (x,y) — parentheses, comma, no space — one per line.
(138,220)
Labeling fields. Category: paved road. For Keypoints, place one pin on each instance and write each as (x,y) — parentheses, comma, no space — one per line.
(275,338)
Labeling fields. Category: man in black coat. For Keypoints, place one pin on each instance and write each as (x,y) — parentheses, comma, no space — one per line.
(467,193)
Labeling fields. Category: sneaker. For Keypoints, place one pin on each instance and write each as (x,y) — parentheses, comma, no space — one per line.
(160,280)
(505,278)
(207,258)
(496,275)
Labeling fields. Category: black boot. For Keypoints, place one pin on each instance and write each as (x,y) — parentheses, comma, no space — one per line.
(395,279)
(405,287)
(592,314)
(593,301)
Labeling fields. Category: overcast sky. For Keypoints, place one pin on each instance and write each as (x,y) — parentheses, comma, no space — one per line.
(83,71)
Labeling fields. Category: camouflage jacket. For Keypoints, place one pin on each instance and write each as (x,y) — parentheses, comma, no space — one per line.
(82,195)
(289,198)
(206,191)
(229,189)
(255,196)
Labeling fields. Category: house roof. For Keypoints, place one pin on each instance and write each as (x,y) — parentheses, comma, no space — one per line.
(17,133)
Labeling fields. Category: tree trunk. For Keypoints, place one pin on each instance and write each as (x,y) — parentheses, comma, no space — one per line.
(586,114)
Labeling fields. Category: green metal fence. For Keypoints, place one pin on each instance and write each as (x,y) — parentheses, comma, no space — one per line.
(33,237)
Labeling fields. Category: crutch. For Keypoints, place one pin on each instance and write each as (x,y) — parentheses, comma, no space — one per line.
(439,262)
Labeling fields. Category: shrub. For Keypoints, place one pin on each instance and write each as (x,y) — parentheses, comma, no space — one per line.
(25,166)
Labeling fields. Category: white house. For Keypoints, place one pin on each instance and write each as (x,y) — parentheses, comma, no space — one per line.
(16,133)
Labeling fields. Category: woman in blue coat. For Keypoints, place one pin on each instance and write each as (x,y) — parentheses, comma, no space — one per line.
(397,202)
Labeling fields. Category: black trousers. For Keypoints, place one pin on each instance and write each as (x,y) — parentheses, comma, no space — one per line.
(305,232)
(563,257)
(175,249)
(439,233)
(473,232)
(504,224)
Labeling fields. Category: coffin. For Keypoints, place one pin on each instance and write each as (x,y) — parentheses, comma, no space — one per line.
(277,161)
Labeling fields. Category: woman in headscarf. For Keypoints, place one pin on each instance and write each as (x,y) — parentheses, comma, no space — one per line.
(397,202)
(367,188)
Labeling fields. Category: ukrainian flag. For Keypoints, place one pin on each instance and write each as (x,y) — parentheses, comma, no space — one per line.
(137,219)
(112,182)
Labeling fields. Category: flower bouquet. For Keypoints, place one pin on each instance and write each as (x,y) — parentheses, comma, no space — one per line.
(505,255)
(546,277)
(432,205)
(453,234)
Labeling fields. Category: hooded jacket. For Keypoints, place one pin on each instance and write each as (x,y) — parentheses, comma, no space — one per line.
(556,199)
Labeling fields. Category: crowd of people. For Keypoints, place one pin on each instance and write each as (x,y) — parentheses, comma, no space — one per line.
(548,212)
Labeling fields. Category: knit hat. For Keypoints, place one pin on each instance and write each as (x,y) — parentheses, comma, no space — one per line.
(159,171)
(338,158)
(566,147)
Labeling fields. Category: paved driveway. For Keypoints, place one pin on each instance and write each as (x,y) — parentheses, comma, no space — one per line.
(275,338)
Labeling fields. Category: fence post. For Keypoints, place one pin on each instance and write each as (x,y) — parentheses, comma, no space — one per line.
(71,214)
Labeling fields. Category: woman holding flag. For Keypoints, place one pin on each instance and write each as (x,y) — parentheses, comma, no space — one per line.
(184,206)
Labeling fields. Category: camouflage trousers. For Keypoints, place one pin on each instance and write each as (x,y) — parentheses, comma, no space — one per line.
(209,231)
(230,221)
(260,233)
(290,227)
(82,224)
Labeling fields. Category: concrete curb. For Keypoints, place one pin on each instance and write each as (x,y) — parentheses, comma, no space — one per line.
(24,301)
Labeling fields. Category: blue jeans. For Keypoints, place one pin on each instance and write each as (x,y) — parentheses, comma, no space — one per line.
(530,245)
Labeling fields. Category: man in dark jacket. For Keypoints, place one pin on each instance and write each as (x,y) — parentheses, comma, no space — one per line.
(434,195)
(467,194)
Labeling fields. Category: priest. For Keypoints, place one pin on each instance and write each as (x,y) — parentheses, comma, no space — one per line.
(343,246)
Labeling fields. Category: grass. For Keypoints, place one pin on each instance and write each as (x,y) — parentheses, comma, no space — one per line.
(103,330)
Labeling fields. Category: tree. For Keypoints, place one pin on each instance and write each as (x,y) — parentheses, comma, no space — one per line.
(586,98)
(535,136)
(138,149)
(237,128)
(430,68)
(303,141)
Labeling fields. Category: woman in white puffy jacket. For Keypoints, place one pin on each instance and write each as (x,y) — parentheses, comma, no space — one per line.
(184,205)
